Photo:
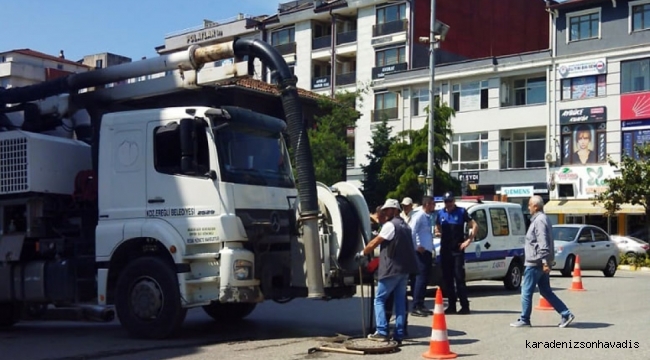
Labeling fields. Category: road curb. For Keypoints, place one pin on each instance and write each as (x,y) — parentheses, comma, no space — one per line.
(633,268)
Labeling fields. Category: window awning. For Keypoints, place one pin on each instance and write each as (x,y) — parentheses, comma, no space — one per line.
(586,207)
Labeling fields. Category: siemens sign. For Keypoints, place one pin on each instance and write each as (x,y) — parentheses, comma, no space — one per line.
(518,191)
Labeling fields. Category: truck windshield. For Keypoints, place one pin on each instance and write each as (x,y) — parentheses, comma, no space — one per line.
(254,157)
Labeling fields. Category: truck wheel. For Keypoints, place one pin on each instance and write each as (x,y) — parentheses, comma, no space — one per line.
(148,299)
(8,314)
(229,311)
(512,281)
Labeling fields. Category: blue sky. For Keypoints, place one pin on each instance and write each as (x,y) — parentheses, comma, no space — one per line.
(126,27)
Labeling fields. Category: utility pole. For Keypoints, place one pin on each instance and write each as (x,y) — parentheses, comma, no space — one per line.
(432,71)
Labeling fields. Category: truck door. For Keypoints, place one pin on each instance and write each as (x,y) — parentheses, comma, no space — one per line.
(188,200)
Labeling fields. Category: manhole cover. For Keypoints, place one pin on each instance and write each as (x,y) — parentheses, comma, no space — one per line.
(370,346)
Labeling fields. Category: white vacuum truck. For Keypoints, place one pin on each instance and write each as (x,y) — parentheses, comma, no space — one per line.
(153,197)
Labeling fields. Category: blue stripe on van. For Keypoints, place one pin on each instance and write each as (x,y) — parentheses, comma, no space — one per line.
(487,255)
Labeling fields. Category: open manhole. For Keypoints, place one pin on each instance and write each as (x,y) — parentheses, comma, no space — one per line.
(370,346)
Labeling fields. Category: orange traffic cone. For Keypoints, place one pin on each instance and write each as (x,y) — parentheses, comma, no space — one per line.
(544,304)
(439,344)
(576,284)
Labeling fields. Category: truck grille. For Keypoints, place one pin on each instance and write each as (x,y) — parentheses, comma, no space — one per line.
(13,166)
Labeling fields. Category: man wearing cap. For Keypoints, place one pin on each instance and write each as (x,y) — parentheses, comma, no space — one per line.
(396,262)
(450,226)
(407,205)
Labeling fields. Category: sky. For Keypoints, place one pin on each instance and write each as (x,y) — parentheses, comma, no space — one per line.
(131,28)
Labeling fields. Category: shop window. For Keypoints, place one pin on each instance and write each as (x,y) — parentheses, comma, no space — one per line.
(584,87)
(584,143)
(470,151)
(635,75)
(499,220)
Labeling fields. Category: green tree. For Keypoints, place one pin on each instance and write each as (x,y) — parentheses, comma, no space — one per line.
(408,156)
(327,137)
(632,187)
(375,187)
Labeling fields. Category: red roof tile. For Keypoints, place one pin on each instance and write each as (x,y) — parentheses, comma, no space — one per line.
(33,53)
(265,87)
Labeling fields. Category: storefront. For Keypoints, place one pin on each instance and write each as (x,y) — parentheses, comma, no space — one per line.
(521,193)
(572,198)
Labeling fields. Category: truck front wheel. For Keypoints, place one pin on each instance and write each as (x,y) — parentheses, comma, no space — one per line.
(229,311)
(148,299)
(9,314)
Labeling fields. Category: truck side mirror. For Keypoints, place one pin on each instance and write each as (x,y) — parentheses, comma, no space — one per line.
(188,146)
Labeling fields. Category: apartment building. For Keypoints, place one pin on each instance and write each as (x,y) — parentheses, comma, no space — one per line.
(601,88)
(23,67)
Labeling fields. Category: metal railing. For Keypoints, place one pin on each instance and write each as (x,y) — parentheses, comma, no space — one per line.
(381,114)
(390,27)
(346,37)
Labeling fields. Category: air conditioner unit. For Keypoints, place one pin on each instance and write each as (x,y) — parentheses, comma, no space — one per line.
(550,157)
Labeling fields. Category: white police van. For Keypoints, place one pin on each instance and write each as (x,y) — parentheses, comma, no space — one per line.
(497,252)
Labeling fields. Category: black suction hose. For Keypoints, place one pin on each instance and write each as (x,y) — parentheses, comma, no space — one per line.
(297,129)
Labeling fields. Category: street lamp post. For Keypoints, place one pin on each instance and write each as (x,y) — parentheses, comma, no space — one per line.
(426,183)
(432,67)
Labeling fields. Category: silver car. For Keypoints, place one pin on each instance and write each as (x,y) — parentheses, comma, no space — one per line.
(631,246)
(593,244)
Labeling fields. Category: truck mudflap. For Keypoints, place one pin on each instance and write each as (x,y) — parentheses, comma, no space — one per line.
(240,294)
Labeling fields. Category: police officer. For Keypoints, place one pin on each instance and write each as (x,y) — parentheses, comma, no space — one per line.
(450,226)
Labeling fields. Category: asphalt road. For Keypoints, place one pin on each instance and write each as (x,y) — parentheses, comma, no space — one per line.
(612,309)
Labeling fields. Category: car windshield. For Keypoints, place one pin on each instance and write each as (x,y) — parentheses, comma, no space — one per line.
(251,156)
(564,233)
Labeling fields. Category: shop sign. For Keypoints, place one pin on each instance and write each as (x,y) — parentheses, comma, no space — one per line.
(635,106)
(518,191)
(583,68)
(591,180)
(583,115)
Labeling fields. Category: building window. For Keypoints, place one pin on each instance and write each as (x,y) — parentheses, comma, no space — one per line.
(639,15)
(59,66)
(99,63)
(420,100)
(584,87)
(525,150)
(530,91)
(469,151)
(635,75)
(390,56)
(284,36)
(390,14)
(584,143)
(470,96)
(584,26)
(385,106)
(350,140)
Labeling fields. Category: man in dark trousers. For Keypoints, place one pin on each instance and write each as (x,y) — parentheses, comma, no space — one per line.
(450,226)
(396,262)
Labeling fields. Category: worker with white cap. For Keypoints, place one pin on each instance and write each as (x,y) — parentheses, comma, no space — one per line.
(407,205)
(396,262)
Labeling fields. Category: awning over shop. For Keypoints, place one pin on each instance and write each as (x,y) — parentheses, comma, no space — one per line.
(586,207)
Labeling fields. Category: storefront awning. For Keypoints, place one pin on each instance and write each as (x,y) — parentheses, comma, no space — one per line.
(586,207)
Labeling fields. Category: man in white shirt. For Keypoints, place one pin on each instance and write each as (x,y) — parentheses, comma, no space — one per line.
(421,229)
(407,208)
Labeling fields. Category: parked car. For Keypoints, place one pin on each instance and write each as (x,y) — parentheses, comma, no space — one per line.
(597,251)
(630,245)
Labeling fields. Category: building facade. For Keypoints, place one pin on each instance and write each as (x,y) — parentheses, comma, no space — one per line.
(24,67)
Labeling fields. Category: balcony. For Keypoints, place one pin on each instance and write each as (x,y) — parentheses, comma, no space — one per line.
(286,49)
(380,71)
(346,37)
(381,114)
(346,79)
(320,82)
(389,28)
(321,42)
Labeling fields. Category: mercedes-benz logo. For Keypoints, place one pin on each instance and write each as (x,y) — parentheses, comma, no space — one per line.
(275,222)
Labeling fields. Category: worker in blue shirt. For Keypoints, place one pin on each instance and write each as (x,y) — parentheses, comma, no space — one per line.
(420,223)
(450,226)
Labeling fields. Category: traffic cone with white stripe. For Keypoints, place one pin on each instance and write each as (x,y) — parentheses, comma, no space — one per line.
(439,344)
(576,284)
(544,304)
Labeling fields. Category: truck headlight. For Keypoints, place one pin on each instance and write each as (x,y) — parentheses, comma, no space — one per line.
(243,269)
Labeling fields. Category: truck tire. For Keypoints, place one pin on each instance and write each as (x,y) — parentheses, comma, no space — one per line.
(148,299)
(9,314)
(229,312)
(515,274)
